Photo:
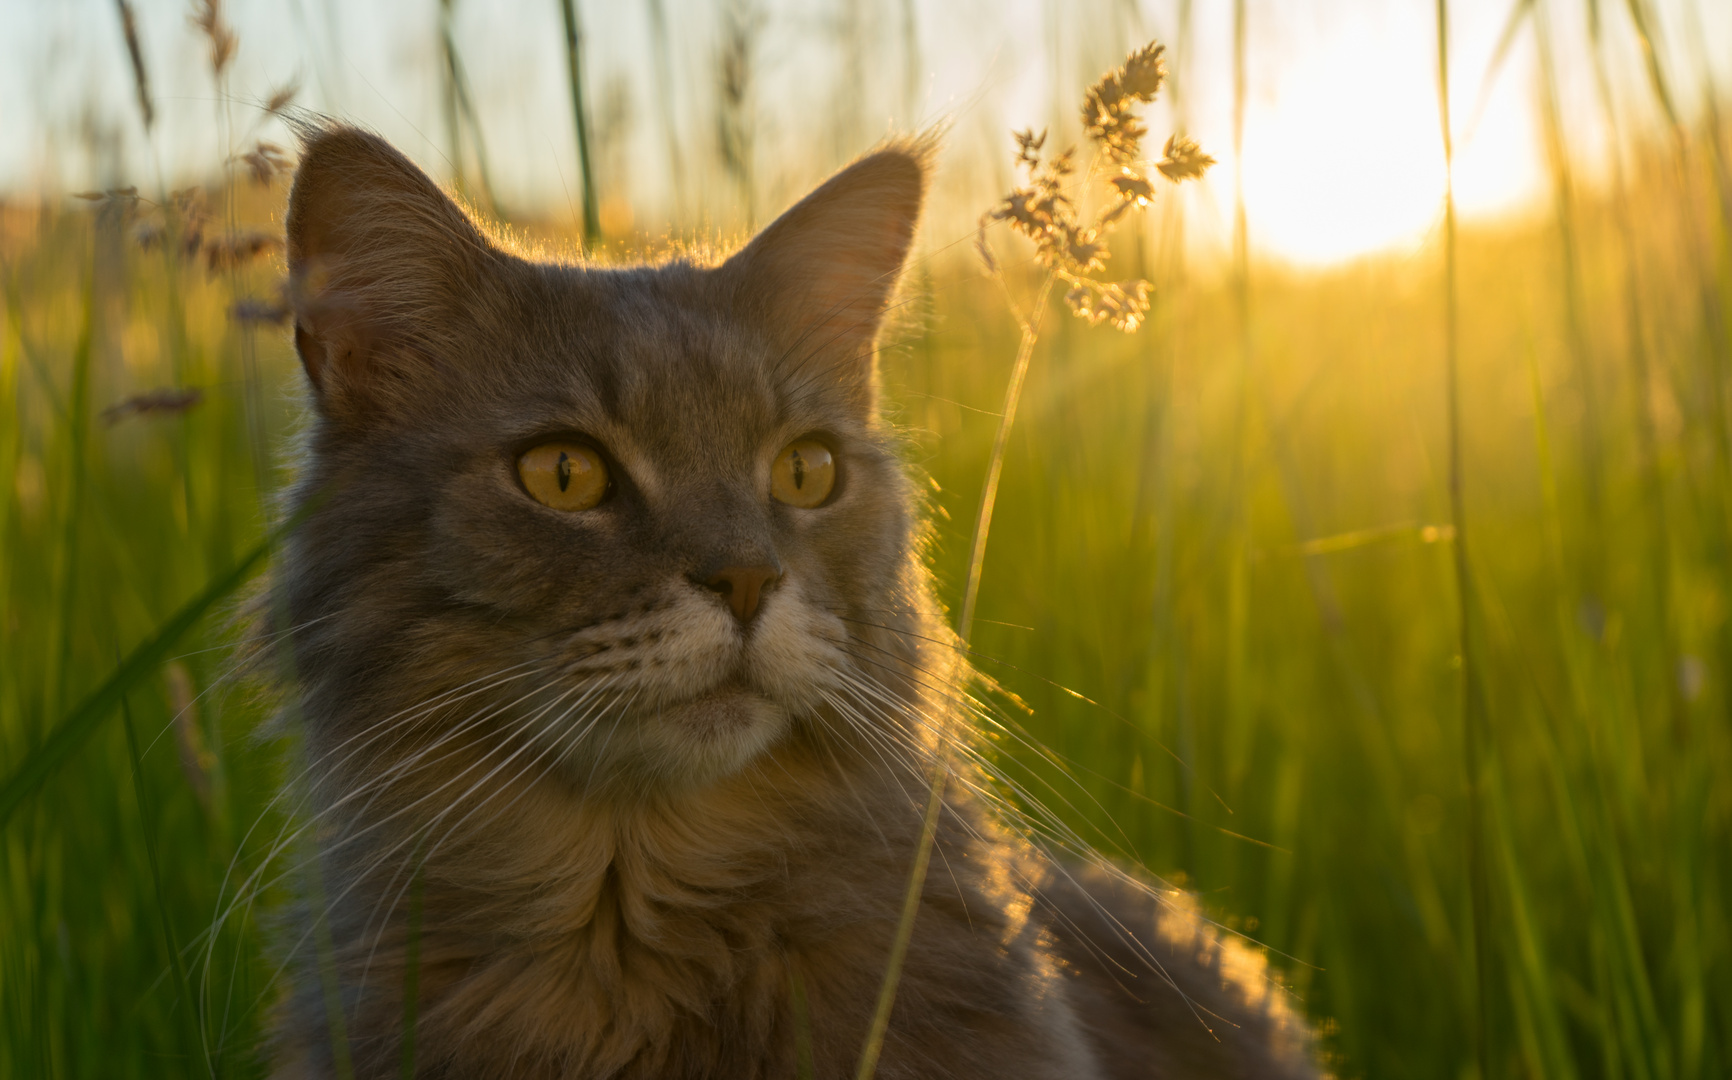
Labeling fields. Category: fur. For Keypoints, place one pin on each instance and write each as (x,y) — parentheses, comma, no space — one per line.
(615,823)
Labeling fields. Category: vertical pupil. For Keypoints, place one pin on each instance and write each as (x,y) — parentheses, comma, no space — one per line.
(564,470)
(799,469)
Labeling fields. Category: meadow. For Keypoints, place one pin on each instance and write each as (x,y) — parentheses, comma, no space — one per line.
(1456,763)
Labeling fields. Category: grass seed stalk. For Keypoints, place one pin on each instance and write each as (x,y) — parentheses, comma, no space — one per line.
(574,73)
(1468,680)
(1072,250)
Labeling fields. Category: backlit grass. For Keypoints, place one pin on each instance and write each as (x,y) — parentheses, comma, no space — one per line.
(1219,576)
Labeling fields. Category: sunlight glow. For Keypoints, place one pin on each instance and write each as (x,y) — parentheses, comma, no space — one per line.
(1345,159)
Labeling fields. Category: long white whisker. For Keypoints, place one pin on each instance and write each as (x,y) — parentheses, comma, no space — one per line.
(1040,828)
(381,909)
(251,888)
(586,693)
(287,837)
(359,878)
(419,710)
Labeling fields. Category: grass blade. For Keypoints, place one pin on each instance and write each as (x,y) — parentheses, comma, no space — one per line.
(574,75)
(929,826)
(78,725)
(964,627)
(1468,679)
(147,820)
(66,556)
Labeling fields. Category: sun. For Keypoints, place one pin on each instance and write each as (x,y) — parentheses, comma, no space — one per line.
(1345,159)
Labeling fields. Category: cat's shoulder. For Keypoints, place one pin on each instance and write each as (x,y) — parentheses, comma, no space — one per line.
(1160,984)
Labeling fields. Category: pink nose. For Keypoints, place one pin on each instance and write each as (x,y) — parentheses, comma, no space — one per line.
(744,587)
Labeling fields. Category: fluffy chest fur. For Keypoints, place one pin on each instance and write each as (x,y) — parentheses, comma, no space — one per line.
(668,940)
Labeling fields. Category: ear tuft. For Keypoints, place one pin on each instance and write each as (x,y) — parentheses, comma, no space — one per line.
(378,258)
(820,276)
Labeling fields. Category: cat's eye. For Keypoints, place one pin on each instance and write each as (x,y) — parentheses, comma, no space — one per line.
(563,475)
(804,473)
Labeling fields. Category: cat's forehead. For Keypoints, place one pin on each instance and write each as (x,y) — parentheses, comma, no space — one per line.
(650,359)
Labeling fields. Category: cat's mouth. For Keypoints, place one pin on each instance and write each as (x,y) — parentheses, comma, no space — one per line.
(732,705)
(704,699)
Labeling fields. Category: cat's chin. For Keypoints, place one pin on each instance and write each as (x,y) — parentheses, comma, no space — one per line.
(714,733)
(724,712)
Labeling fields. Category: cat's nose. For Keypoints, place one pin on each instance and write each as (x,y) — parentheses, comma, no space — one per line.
(743,586)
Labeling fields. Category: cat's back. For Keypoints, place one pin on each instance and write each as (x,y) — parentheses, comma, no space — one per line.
(1164,992)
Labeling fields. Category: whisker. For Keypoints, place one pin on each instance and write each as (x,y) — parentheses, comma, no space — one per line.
(559,721)
(254,886)
(282,842)
(974,654)
(358,879)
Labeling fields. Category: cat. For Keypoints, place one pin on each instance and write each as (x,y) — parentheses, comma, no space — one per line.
(621,680)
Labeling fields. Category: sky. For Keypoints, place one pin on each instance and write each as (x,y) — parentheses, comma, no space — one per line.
(1342,148)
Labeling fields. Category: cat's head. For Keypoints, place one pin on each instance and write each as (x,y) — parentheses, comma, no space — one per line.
(634,523)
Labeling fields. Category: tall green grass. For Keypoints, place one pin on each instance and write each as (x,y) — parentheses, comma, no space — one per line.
(117,539)
(1246,569)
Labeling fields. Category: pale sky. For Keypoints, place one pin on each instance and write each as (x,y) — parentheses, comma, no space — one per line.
(1342,149)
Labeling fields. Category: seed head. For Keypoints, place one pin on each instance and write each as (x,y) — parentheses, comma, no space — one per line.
(1028,146)
(252,310)
(1042,209)
(140,76)
(165,402)
(1123,304)
(237,249)
(264,161)
(1085,251)
(207,16)
(1184,159)
(1132,188)
(1107,106)
(1145,71)
(282,97)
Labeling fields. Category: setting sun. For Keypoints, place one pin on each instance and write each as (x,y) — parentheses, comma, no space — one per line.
(1343,157)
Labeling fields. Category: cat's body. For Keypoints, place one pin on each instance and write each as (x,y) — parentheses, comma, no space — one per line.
(617,787)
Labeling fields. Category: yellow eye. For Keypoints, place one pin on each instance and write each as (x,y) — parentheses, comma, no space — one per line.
(803,474)
(565,476)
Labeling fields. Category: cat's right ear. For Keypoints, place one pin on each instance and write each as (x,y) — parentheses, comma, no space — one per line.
(820,277)
(379,258)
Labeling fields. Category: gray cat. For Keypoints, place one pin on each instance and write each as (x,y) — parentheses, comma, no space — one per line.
(622,684)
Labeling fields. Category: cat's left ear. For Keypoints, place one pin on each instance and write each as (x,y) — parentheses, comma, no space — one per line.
(819,277)
(380,264)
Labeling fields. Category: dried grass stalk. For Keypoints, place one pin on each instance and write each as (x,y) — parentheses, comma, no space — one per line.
(1044,212)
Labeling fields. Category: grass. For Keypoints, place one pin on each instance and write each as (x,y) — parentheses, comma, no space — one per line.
(1233,533)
